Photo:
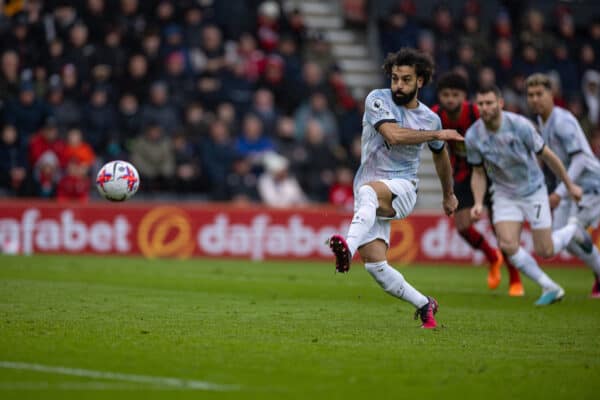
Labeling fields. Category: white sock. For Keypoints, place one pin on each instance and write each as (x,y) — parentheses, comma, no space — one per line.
(363,218)
(527,264)
(592,259)
(562,237)
(393,283)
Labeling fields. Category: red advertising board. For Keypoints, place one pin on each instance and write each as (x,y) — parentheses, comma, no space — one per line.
(216,230)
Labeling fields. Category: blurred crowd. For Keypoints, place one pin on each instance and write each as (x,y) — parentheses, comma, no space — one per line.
(519,41)
(227,101)
(235,100)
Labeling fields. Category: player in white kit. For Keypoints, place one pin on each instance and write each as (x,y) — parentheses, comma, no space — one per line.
(395,127)
(506,144)
(562,133)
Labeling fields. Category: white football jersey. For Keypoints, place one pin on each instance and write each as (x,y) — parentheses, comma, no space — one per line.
(379,160)
(508,155)
(563,134)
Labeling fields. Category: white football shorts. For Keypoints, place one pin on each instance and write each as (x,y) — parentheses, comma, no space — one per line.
(405,192)
(534,208)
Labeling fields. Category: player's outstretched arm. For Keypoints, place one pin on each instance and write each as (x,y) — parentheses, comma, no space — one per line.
(444,172)
(395,134)
(478,187)
(554,163)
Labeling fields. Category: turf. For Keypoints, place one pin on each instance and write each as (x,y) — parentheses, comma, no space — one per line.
(287,330)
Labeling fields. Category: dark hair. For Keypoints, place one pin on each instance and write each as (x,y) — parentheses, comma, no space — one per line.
(422,63)
(452,80)
(490,89)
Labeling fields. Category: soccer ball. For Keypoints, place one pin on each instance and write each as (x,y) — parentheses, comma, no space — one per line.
(117,180)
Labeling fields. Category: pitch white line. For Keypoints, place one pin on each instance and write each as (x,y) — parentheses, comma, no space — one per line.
(146,379)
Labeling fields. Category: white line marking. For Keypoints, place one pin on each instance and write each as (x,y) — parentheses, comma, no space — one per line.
(146,379)
(91,385)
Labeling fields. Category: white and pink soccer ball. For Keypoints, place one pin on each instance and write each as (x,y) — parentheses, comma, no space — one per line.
(117,180)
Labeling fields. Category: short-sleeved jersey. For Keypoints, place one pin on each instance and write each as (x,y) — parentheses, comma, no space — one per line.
(458,152)
(379,160)
(508,154)
(563,134)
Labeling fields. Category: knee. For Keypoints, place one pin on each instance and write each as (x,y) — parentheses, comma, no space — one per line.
(367,193)
(544,250)
(508,246)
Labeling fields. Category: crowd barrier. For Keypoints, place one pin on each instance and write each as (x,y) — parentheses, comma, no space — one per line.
(182,230)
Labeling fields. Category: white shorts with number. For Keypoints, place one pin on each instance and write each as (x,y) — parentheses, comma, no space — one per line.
(534,208)
(405,197)
(587,211)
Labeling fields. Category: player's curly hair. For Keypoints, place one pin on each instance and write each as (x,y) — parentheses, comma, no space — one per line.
(452,80)
(422,63)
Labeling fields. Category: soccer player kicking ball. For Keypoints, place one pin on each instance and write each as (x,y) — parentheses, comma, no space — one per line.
(457,113)
(561,131)
(506,144)
(395,126)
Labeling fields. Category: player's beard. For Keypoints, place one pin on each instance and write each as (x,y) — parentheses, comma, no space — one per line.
(490,117)
(402,99)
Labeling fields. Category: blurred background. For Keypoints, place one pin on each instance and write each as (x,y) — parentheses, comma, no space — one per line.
(233,100)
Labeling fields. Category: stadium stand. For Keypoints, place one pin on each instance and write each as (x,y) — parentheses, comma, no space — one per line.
(195,96)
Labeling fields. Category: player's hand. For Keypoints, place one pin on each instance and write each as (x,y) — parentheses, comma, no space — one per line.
(450,134)
(476,212)
(576,192)
(554,200)
(450,204)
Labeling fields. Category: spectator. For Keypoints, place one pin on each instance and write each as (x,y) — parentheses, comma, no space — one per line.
(179,82)
(590,88)
(159,110)
(263,106)
(252,59)
(318,110)
(196,124)
(503,62)
(588,59)
(566,69)
(81,51)
(46,174)
(210,57)
(27,113)
(474,35)
(397,31)
(341,192)
(318,51)
(577,106)
(268,25)
(56,58)
(73,88)
(252,142)
(276,187)
(128,119)
(188,175)
(530,61)
(536,36)
(67,112)
(75,184)
(217,155)
(288,146)
(47,141)
(286,91)
(319,166)
(13,163)
(151,49)
(152,154)
(78,151)
(291,57)
(241,184)
(236,88)
(9,75)
(110,52)
(136,79)
(100,118)
(194,18)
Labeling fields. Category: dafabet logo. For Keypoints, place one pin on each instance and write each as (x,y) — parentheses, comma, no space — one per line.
(165,232)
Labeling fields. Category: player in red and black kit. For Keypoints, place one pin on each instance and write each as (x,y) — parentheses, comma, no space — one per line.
(457,113)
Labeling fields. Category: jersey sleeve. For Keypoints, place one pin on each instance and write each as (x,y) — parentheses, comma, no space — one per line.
(532,139)
(473,155)
(567,133)
(377,110)
(436,146)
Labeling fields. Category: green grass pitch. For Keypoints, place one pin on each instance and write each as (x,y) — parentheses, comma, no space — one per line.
(107,328)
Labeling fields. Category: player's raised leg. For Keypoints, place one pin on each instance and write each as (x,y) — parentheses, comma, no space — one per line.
(372,198)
